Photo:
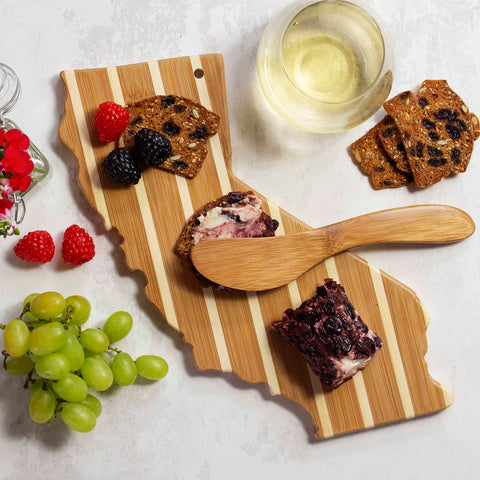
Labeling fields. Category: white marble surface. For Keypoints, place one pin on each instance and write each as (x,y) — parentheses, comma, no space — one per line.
(207,425)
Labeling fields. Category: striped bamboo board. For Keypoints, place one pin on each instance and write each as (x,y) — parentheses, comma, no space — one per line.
(229,331)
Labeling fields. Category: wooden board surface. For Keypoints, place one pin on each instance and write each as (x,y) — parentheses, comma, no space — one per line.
(229,331)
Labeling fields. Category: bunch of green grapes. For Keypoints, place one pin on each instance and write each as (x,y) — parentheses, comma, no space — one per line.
(62,361)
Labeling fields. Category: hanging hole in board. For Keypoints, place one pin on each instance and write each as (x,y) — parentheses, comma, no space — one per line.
(199,73)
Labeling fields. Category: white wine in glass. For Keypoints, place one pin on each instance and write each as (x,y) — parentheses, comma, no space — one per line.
(325,66)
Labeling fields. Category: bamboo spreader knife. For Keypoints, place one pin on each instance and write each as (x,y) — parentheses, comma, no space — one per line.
(256,264)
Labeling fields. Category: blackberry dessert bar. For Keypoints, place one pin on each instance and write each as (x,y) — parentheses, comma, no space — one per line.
(235,215)
(330,335)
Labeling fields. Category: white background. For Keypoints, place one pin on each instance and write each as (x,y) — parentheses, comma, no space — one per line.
(210,425)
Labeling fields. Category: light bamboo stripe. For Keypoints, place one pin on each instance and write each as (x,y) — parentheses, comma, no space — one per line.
(295,297)
(397,363)
(357,379)
(226,186)
(187,206)
(217,330)
(220,163)
(149,224)
(87,149)
(156,78)
(263,345)
(184,193)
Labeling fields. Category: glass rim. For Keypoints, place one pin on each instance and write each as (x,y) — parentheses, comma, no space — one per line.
(370,14)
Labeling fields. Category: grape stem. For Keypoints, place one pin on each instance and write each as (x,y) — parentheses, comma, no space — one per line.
(114,349)
(5,356)
(28,379)
(26,309)
(2,326)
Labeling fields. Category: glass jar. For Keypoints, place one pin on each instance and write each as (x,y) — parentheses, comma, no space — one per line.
(10,217)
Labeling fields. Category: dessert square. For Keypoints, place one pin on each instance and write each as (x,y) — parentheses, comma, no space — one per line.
(330,335)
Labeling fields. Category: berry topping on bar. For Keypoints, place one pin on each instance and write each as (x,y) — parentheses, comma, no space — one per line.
(331,336)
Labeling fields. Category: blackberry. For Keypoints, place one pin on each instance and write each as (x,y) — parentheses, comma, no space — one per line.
(151,147)
(120,167)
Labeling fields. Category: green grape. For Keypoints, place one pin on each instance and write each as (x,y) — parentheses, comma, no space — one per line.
(124,369)
(42,405)
(47,305)
(93,403)
(74,352)
(19,365)
(29,299)
(99,355)
(73,330)
(80,309)
(53,366)
(47,338)
(97,374)
(94,339)
(78,417)
(71,388)
(151,367)
(118,326)
(15,337)
(36,385)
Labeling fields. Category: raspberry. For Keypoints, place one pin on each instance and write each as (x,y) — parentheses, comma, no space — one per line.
(37,247)
(77,246)
(111,120)
(152,147)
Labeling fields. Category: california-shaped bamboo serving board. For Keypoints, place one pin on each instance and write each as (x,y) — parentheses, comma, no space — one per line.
(229,331)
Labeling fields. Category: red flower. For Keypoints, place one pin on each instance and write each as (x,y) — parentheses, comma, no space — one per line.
(16,139)
(5,204)
(2,137)
(15,161)
(17,182)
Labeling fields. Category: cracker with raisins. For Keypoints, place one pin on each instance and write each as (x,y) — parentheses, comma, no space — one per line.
(448,122)
(184,122)
(374,161)
(391,139)
(428,160)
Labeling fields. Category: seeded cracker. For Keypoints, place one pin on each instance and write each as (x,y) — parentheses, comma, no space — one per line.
(391,139)
(374,161)
(451,120)
(185,123)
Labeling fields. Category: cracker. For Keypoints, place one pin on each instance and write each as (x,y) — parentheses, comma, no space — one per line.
(429,160)
(448,122)
(374,161)
(185,123)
